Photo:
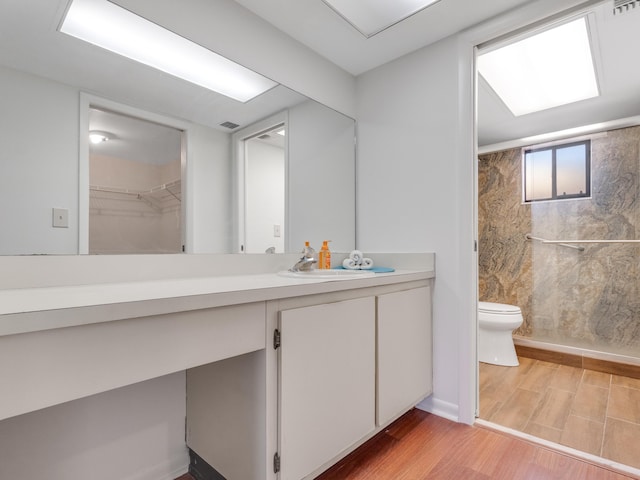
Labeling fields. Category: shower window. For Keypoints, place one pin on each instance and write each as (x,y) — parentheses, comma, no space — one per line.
(557,172)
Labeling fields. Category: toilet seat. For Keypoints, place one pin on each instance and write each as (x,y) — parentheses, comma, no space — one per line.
(498,308)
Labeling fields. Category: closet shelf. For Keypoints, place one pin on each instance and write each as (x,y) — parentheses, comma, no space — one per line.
(159,197)
(165,187)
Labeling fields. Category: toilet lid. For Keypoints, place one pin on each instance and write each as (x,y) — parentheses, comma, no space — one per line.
(490,307)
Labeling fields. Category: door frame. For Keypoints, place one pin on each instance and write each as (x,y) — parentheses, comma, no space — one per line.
(88,101)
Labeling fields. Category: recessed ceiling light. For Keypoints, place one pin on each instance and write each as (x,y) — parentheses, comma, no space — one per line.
(96,136)
(109,26)
(542,71)
(373,16)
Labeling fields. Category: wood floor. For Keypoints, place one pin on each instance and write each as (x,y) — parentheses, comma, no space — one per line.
(423,446)
(597,413)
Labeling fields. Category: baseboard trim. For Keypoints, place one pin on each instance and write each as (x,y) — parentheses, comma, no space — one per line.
(438,407)
(575,357)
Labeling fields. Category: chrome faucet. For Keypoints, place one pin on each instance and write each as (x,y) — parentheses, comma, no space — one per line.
(305,264)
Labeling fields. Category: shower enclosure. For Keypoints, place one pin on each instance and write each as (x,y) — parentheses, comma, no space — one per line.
(572,264)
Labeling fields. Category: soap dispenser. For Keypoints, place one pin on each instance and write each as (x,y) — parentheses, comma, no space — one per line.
(324,257)
(308,251)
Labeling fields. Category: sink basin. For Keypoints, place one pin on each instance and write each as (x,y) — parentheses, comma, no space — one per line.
(337,274)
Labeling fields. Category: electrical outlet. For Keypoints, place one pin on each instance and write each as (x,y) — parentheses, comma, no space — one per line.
(61,218)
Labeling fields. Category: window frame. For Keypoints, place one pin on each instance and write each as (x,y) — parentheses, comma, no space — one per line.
(554,181)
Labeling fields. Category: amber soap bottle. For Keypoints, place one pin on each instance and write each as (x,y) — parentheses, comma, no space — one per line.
(324,256)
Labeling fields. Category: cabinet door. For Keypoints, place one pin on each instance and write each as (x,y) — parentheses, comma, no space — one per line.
(327,382)
(404,351)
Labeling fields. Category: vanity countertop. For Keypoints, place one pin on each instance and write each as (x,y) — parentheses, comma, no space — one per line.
(33,309)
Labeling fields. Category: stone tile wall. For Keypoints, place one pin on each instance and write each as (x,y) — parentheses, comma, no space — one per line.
(588,299)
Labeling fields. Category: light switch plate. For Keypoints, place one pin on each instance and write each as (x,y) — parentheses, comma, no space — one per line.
(61,218)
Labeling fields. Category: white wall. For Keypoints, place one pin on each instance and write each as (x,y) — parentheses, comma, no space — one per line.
(132,433)
(209,216)
(38,164)
(321,165)
(415,195)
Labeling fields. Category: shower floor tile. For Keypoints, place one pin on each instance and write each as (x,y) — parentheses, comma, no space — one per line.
(597,413)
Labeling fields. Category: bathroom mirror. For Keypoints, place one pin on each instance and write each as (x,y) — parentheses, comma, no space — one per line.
(48,82)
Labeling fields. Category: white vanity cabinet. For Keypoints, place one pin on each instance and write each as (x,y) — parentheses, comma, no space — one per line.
(348,368)
(404,351)
(353,355)
(327,382)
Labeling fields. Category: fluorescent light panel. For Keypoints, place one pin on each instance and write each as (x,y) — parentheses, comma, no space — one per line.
(546,70)
(114,28)
(372,16)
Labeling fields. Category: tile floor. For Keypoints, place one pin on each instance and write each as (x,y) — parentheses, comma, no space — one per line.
(594,412)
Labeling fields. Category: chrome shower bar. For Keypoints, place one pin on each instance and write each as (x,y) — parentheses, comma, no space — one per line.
(565,243)
(528,236)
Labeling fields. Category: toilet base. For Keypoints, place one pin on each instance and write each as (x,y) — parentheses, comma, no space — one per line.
(496,347)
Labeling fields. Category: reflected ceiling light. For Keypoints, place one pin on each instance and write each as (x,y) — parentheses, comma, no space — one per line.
(111,27)
(542,71)
(280,132)
(373,16)
(96,136)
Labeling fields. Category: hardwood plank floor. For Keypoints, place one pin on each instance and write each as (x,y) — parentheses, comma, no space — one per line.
(422,446)
(594,412)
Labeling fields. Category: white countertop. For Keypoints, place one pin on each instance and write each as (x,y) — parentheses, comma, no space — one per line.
(33,309)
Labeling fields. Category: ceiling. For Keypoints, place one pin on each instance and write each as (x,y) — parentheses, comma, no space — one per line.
(613,36)
(134,139)
(314,24)
(29,29)
(618,75)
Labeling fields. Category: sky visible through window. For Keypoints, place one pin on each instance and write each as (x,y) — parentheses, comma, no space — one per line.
(557,172)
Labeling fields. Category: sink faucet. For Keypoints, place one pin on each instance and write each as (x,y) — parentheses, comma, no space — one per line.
(306,262)
(303,265)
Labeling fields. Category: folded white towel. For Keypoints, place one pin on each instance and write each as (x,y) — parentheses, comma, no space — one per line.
(357,261)
(350,264)
(356,256)
(366,264)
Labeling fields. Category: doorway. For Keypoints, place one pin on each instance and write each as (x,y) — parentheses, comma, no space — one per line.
(260,154)
(135,185)
(563,287)
(265,191)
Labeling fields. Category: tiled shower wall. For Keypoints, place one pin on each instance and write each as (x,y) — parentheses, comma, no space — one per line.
(588,299)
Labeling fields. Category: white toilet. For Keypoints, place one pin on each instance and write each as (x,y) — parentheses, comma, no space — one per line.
(496,322)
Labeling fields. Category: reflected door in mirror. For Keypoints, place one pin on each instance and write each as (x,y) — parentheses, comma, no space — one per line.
(135,186)
(265,192)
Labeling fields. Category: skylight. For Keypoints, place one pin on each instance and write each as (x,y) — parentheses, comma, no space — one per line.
(542,71)
(372,16)
(111,27)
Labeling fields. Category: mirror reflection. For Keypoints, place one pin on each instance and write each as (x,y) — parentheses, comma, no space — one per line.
(48,164)
(135,185)
(264,181)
